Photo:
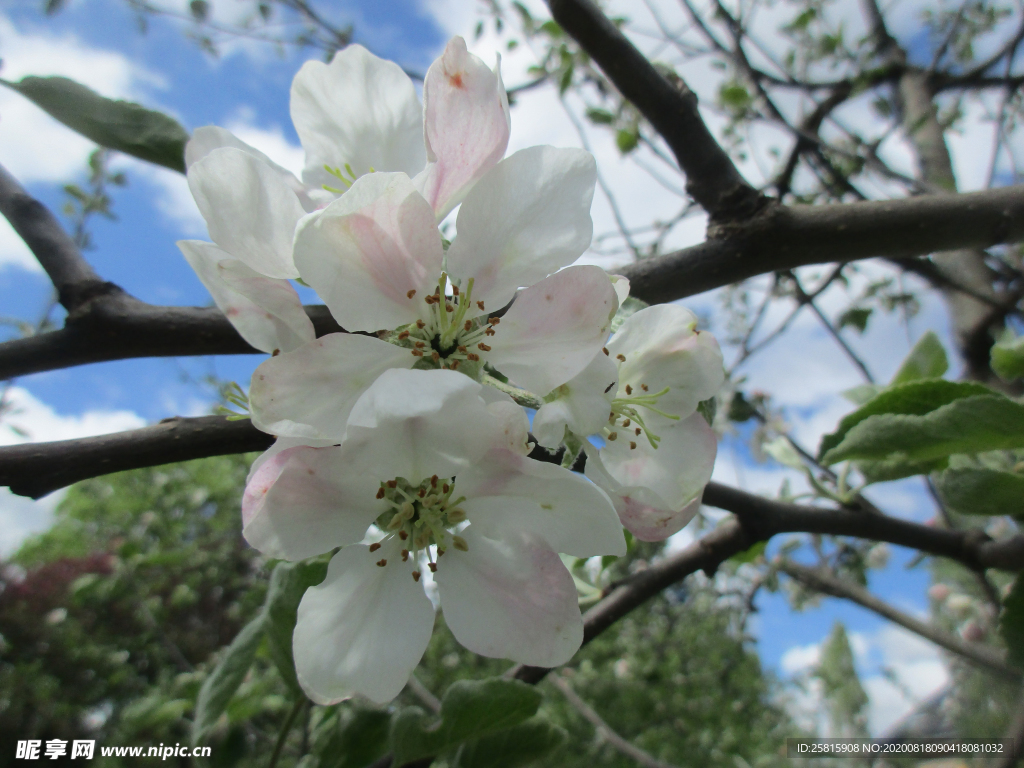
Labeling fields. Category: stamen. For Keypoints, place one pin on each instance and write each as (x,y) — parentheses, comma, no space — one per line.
(643,387)
(494,320)
(420,324)
(415,575)
(411,293)
(417,353)
(638,431)
(460,544)
(489,331)
(473,356)
(629,390)
(462,349)
(632,445)
(432,567)
(403,535)
(420,344)
(483,347)
(605,350)
(374,547)
(405,555)
(422,492)
(403,336)
(621,358)
(625,423)
(382,562)
(445,488)
(391,483)
(380,492)
(480,306)
(435,356)
(613,435)
(455,290)
(468,325)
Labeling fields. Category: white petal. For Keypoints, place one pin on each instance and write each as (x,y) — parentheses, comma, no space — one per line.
(528,217)
(363,630)
(281,444)
(510,598)
(621,285)
(358,110)
(305,501)
(515,425)
(507,492)
(210,137)
(309,392)
(663,349)
(465,125)
(426,422)
(582,404)
(667,479)
(554,328)
(266,312)
(368,250)
(250,212)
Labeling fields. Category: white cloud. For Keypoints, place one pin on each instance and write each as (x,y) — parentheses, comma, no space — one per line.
(27,419)
(800,658)
(34,146)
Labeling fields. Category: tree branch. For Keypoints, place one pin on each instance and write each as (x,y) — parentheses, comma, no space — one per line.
(823,581)
(73,277)
(784,237)
(712,179)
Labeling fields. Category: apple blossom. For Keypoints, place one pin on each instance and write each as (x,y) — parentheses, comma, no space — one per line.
(640,396)
(444,478)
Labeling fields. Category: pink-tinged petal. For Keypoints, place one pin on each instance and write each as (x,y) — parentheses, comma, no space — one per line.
(210,137)
(250,211)
(663,349)
(529,216)
(582,404)
(266,312)
(507,493)
(373,255)
(364,629)
(554,328)
(358,110)
(310,391)
(466,125)
(654,490)
(282,444)
(305,501)
(422,423)
(510,598)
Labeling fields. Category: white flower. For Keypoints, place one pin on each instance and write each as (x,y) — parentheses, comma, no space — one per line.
(444,476)
(641,397)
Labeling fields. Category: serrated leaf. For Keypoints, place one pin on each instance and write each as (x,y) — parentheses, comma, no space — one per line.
(982,491)
(897,468)
(120,125)
(229,673)
(1008,357)
(1011,623)
(927,360)
(968,425)
(470,709)
(351,738)
(916,397)
(521,745)
(288,584)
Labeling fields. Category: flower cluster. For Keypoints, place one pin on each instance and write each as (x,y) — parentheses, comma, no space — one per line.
(399,447)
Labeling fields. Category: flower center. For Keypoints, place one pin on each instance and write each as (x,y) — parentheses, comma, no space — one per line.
(625,415)
(422,516)
(448,339)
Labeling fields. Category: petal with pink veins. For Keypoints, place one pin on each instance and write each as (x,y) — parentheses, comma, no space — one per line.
(554,328)
(310,391)
(528,216)
(265,311)
(466,125)
(305,501)
(364,629)
(373,255)
(510,598)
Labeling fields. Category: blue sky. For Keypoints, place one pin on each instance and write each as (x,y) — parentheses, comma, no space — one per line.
(246,89)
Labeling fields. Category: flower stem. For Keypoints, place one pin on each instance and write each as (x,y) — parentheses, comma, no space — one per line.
(282,737)
(521,396)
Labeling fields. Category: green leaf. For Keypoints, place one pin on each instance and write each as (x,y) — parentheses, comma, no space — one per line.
(470,709)
(708,408)
(898,468)
(927,360)
(626,139)
(1008,357)
(917,397)
(520,745)
(628,307)
(600,116)
(749,555)
(229,673)
(351,738)
(861,393)
(288,584)
(982,491)
(735,96)
(200,9)
(968,425)
(856,317)
(1011,623)
(121,125)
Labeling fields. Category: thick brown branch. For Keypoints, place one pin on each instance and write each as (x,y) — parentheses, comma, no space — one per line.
(821,580)
(37,469)
(712,179)
(118,327)
(783,237)
(75,280)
